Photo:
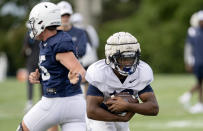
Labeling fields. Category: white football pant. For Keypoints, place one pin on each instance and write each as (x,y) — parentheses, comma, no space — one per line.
(68,112)
(94,125)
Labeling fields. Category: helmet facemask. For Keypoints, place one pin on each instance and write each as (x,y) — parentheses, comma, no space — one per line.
(33,27)
(126,62)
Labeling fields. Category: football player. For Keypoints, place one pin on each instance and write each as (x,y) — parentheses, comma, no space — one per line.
(93,43)
(193,58)
(93,40)
(121,71)
(79,36)
(59,72)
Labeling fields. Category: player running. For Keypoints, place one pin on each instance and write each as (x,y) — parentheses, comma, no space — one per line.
(121,71)
(59,72)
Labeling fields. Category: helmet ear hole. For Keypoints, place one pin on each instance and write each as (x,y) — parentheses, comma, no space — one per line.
(138,54)
(111,59)
(40,22)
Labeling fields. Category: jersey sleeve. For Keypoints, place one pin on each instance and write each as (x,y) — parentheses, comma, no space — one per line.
(65,46)
(148,88)
(94,75)
(146,76)
(94,91)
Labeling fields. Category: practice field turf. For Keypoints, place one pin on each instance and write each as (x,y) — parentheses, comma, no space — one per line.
(172,116)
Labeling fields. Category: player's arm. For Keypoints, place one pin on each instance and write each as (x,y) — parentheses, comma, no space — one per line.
(149,105)
(69,60)
(188,57)
(188,50)
(94,110)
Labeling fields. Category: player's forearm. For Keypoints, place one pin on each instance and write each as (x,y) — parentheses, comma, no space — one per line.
(75,66)
(69,60)
(147,108)
(79,69)
(102,115)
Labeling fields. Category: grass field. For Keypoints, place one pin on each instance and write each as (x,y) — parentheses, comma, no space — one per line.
(172,116)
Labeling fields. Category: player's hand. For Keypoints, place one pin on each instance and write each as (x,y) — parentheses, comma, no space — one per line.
(127,117)
(189,68)
(34,77)
(117,104)
(73,77)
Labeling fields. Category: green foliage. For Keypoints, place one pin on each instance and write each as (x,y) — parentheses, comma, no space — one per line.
(114,9)
(160,27)
(12,34)
(14,43)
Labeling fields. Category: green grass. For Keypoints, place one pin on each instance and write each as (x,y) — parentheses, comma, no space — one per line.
(12,102)
(172,116)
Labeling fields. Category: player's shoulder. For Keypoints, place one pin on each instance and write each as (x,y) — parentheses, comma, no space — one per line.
(63,36)
(59,38)
(78,30)
(142,77)
(145,71)
(97,67)
(97,71)
(144,67)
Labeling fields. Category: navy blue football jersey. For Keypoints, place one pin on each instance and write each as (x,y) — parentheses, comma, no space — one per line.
(195,38)
(53,75)
(80,40)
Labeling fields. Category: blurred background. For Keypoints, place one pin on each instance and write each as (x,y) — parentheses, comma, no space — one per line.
(160,27)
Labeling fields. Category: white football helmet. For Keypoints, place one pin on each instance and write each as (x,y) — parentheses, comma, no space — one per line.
(43,15)
(122,46)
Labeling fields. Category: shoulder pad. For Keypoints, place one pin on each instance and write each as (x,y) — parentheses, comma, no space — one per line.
(145,75)
(95,72)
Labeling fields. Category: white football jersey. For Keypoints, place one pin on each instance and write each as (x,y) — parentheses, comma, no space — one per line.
(102,76)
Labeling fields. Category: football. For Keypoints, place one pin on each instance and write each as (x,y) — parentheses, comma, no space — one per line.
(125,96)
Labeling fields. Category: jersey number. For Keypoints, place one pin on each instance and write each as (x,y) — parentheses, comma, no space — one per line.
(45,73)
